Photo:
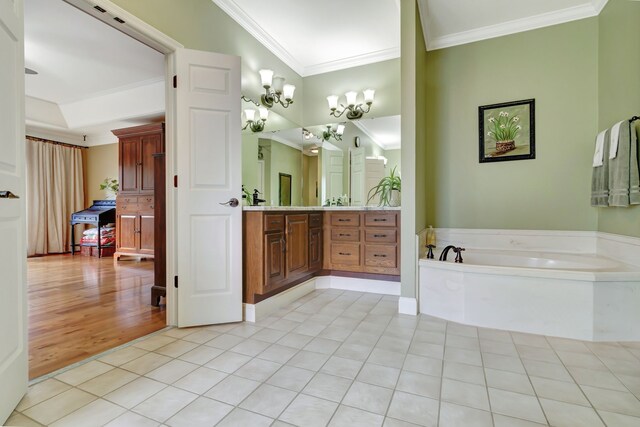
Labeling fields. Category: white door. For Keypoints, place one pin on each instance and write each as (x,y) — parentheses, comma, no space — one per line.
(13,254)
(333,174)
(208,164)
(375,171)
(260,186)
(357,176)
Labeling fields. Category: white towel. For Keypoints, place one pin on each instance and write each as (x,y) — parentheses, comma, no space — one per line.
(615,136)
(598,157)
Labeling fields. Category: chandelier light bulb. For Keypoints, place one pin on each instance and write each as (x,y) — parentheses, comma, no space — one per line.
(278,83)
(340,130)
(250,114)
(368,95)
(264,113)
(351,98)
(266,76)
(288,92)
(333,101)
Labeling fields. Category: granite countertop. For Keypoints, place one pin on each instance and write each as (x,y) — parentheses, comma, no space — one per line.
(320,208)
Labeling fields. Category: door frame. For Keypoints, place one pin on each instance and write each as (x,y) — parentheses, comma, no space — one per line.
(159,41)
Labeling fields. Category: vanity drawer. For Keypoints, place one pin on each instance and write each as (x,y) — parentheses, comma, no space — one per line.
(380,219)
(380,235)
(345,254)
(273,223)
(381,256)
(126,200)
(122,207)
(145,200)
(315,220)
(345,235)
(347,219)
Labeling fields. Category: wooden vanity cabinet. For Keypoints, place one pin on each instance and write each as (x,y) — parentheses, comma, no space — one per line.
(365,242)
(280,250)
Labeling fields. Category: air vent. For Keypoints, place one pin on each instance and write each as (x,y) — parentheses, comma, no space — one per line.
(118,20)
(99,9)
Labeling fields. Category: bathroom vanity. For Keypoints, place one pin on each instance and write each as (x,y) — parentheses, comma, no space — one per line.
(286,246)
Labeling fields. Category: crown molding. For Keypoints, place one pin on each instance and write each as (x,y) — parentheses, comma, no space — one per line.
(231,8)
(274,137)
(44,131)
(352,61)
(236,13)
(587,10)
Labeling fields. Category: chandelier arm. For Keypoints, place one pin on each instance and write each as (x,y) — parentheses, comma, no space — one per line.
(245,99)
(335,113)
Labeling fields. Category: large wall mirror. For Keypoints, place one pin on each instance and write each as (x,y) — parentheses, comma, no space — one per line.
(321,166)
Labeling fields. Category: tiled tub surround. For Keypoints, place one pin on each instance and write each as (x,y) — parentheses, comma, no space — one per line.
(344,358)
(578,285)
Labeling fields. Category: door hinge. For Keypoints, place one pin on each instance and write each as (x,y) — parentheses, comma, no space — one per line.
(175,181)
(175,81)
(175,281)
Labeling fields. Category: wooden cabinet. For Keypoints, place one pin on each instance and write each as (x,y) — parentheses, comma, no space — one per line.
(135,204)
(362,242)
(280,250)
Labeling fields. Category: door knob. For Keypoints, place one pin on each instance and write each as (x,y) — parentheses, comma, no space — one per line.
(233,202)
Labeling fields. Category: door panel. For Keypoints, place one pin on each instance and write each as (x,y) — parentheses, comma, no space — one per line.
(146,234)
(149,145)
(209,168)
(129,154)
(357,177)
(274,259)
(127,233)
(315,249)
(297,229)
(13,296)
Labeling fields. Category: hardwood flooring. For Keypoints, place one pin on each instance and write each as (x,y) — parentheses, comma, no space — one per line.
(81,306)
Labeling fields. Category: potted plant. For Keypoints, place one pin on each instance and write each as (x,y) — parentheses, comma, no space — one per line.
(504,130)
(110,187)
(388,189)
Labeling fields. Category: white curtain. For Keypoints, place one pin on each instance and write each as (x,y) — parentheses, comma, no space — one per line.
(55,189)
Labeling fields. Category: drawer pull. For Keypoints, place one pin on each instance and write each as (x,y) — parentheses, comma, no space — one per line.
(274,222)
(344,235)
(344,220)
(379,220)
(344,253)
(379,255)
(379,235)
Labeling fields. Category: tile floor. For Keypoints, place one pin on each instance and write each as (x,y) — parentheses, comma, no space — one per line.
(345,359)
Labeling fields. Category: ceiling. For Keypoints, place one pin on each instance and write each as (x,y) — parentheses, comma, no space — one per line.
(449,23)
(90,75)
(315,37)
(384,131)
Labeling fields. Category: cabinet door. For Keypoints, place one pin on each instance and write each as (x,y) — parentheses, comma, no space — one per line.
(274,260)
(129,154)
(315,249)
(297,229)
(149,145)
(146,232)
(126,238)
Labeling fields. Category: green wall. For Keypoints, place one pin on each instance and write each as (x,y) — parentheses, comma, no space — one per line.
(285,159)
(558,66)
(619,91)
(393,159)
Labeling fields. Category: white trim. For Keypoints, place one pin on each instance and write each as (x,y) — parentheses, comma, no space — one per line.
(54,135)
(252,27)
(562,16)
(257,312)
(283,141)
(236,13)
(408,306)
(383,287)
(352,61)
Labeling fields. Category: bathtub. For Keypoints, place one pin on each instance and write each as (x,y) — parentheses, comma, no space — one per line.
(571,295)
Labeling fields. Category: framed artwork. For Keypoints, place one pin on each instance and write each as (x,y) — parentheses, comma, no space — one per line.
(507,131)
(285,189)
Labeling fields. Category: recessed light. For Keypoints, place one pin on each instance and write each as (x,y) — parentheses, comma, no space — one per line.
(30,71)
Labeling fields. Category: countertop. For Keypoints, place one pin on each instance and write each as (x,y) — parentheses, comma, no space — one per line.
(320,208)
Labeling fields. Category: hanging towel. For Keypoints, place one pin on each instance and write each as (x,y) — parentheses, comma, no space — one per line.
(600,173)
(615,137)
(624,182)
(598,156)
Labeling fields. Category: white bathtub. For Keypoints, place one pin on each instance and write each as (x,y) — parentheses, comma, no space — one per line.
(580,296)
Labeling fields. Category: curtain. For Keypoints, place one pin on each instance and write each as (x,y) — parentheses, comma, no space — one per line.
(55,189)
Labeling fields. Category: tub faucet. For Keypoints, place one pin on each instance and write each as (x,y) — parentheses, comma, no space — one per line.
(445,251)
(458,252)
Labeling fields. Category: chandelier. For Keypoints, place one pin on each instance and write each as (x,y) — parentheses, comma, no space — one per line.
(275,91)
(353,109)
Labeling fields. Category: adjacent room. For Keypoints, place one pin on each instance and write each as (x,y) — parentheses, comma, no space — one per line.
(94,111)
(363,213)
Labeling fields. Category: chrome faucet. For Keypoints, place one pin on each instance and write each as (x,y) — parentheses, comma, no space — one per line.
(457,250)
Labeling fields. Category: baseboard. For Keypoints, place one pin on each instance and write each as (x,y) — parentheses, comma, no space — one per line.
(358,285)
(408,306)
(256,312)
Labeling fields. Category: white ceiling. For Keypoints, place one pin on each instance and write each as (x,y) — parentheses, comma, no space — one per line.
(449,23)
(384,131)
(315,37)
(91,76)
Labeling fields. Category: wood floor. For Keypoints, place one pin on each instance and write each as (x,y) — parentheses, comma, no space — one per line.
(81,306)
